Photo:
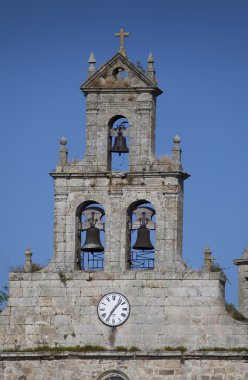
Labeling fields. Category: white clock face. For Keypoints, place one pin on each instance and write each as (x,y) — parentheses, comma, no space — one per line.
(113,309)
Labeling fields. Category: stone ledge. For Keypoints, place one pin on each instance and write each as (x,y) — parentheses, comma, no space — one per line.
(240,262)
(194,355)
(71,171)
(50,273)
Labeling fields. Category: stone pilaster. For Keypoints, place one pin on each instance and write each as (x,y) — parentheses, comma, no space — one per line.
(243,282)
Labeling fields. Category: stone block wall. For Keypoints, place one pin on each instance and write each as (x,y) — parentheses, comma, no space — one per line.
(167,309)
(116,193)
(170,305)
(99,113)
(135,366)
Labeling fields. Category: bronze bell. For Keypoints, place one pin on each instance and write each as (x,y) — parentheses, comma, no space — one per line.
(92,241)
(143,241)
(120,145)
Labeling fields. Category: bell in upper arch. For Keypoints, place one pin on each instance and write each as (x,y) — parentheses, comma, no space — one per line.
(120,145)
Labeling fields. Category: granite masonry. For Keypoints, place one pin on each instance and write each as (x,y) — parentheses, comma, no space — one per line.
(178,327)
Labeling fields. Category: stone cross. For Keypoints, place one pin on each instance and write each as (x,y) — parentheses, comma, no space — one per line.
(122,34)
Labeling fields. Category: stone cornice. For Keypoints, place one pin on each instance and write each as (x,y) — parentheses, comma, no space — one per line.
(112,175)
(121,90)
(240,262)
(106,355)
(50,273)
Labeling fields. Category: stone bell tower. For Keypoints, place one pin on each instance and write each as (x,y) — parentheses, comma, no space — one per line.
(117,301)
(120,91)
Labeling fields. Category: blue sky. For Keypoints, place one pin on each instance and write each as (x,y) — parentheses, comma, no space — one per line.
(200,51)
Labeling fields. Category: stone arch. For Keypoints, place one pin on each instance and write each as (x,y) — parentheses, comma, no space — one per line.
(141,216)
(77,200)
(114,118)
(89,221)
(111,119)
(113,375)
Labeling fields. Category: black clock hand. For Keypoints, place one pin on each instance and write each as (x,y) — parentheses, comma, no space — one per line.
(115,307)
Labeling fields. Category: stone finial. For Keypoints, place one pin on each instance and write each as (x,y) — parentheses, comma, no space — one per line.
(150,71)
(207,259)
(177,139)
(63,141)
(28,260)
(92,58)
(150,58)
(176,151)
(92,62)
(63,152)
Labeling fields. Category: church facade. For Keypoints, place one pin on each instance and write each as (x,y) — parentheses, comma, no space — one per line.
(117,301)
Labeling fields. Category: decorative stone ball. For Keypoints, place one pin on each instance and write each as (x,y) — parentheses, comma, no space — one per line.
(63,141)
(177,139)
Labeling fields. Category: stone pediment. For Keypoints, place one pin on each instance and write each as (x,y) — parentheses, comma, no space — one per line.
(119,73)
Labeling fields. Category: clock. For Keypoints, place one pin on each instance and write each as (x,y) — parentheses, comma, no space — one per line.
(113,309)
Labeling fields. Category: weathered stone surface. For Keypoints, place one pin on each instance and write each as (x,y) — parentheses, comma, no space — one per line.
(165,311)
(171,305)
(78,366)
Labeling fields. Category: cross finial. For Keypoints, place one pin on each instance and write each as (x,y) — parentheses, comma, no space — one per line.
(122,34)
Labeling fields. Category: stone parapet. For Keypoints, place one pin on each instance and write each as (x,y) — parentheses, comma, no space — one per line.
(167,309)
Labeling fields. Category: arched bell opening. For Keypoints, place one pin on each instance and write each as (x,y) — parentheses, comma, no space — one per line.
(90,220)
(118,144)
(141,225)
(119,73)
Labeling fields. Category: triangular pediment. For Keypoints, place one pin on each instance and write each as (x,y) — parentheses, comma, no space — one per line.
(106,77)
